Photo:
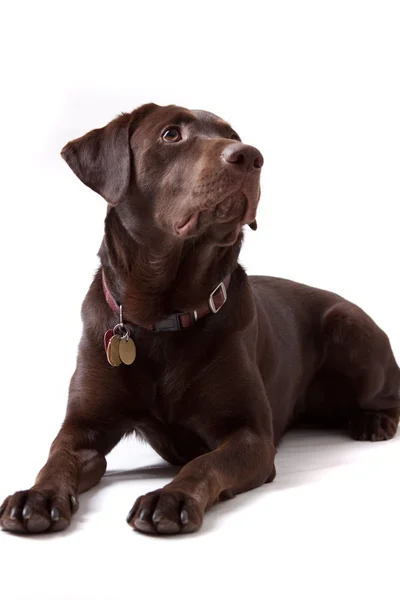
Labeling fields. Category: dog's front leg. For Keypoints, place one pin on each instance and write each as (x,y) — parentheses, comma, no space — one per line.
(92,427)
(243,461)
(75,464)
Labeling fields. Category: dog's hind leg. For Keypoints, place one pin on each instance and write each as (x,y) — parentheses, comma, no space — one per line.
(357,348)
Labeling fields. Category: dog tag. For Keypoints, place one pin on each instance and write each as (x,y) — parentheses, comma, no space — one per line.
(127,350)
(113,351)
(107,337)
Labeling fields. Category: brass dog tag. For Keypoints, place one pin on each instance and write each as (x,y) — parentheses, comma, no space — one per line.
(120,348)
(113,351)
(127,350)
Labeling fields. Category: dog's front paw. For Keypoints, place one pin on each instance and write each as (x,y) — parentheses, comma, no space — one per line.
(374,426)
(166,512)
(37,511)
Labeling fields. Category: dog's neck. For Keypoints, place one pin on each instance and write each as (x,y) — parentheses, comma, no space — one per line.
(160,274)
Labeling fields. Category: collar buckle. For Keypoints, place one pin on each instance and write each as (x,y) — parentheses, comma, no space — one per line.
(211,300)
(170,323)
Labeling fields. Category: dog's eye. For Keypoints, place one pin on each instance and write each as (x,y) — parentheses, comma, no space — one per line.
(235,137)
(172,135)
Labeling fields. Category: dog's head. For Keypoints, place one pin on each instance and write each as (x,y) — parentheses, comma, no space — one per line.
(186,172)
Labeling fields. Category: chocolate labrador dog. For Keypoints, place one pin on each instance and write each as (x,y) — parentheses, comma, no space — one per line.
(180,346)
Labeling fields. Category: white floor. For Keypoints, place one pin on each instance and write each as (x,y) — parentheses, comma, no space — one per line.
(326,528)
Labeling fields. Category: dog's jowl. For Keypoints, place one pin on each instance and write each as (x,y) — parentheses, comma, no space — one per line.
(181,347)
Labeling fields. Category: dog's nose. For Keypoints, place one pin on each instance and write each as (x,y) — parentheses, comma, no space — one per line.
(244,156)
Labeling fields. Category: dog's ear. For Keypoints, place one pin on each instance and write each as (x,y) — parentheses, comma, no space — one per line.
(102,158)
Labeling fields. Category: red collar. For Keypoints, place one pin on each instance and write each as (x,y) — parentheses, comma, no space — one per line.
(177,321)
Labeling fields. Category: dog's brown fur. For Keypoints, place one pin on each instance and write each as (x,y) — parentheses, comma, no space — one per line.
(218,396)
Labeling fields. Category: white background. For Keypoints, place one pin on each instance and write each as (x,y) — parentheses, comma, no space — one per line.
(315,85)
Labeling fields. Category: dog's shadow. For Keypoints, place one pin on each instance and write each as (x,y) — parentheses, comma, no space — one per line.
(304,457)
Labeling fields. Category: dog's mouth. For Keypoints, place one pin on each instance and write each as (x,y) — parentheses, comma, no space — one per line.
(185,226)
(231,214)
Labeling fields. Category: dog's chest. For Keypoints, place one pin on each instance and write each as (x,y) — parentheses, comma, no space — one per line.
(176,443)
(166,410)
(172,426)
